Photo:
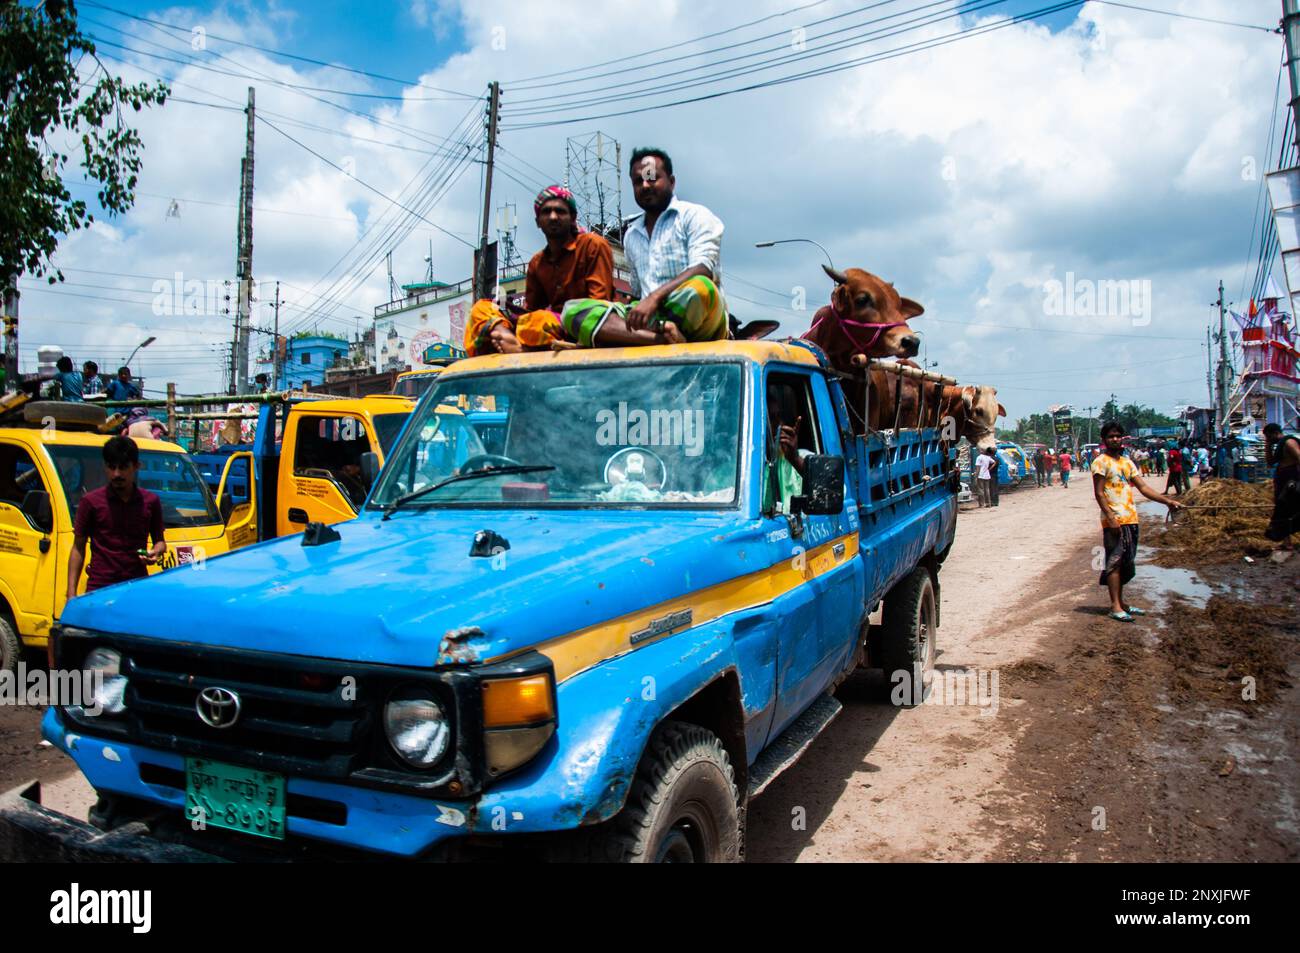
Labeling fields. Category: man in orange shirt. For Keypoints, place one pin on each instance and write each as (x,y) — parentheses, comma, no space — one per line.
(1114,478)
(574,264)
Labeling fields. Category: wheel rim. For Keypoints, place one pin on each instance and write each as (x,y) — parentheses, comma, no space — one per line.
(925,639)
(691,839)
(676,848)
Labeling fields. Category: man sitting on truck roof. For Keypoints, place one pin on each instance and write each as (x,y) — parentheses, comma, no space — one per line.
(673,249)
(574,264)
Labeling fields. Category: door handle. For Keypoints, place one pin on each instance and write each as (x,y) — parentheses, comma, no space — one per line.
(297,516)
(838,550)
(44,544)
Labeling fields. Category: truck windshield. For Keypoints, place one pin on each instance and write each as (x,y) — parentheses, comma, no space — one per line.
(608,435)
(186,499)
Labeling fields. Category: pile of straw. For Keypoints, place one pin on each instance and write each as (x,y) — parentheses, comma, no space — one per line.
(1225,521)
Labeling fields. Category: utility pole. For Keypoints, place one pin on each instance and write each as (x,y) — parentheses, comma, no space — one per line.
(244,257)
(1222,400)
(482,277)
(10,314)
(1209,363)
(275,343)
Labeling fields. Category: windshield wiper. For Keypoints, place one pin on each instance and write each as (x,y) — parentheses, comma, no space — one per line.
(472,475)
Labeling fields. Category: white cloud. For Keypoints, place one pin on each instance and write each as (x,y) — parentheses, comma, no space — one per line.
(969,175)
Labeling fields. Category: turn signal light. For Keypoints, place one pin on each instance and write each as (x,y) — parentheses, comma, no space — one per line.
(509,702)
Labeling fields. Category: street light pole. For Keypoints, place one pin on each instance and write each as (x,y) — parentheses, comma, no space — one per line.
(145,343)
(787,241)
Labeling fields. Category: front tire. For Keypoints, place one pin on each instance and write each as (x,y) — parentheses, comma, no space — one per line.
(683,806)
(10,646)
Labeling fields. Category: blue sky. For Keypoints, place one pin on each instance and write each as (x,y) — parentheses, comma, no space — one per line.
(970,175)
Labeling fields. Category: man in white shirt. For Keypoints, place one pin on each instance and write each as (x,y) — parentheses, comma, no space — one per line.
(984,465)
(673,251)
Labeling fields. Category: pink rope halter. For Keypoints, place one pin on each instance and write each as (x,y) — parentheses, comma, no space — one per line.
(847,323)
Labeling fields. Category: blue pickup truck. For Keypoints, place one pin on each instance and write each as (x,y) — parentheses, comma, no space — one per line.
(598,640)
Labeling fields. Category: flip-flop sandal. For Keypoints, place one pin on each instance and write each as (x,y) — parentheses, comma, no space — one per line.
(1134,610)
(1121,617)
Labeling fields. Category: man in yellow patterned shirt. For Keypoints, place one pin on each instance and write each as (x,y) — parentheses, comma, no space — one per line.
(1113,478)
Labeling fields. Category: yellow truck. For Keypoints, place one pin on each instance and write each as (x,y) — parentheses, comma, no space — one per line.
(312,461)
(50,456)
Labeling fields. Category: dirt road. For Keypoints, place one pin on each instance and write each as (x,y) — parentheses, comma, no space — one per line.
(1092,740)
(1108,741)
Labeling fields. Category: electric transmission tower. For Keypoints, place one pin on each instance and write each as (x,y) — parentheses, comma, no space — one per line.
(593,171)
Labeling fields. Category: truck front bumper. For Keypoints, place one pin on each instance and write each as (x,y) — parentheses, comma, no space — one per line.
(367,820)
(32,833)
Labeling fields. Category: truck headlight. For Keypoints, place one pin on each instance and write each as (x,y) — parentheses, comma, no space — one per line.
(104,666)
(518,718)
(417,728)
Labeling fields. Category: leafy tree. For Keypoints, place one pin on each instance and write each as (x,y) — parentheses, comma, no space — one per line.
(50,102)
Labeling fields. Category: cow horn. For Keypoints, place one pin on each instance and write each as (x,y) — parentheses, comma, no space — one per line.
(836,276)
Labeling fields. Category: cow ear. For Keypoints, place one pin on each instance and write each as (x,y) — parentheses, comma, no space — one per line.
(910,308)
(968,397)
(1002,411)
(840,299)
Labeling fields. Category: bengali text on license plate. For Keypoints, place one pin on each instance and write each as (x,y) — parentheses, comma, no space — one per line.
(234,798)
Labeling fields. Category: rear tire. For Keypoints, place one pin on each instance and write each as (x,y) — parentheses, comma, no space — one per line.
(10,646)
(907,637)
(683,806)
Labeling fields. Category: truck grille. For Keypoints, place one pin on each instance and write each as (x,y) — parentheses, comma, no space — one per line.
(294,721)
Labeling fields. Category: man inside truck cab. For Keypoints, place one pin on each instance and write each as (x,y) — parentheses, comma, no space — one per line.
(784,453)
(118,519)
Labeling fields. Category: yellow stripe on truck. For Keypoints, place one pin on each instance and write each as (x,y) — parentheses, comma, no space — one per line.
(580,650)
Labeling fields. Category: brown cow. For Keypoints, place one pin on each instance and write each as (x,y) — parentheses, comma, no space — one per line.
(866,316)
(973,409)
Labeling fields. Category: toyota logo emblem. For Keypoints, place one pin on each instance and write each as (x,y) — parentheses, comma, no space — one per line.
(218,707)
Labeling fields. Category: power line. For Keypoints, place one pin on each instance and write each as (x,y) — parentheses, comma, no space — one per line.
(385,231)
(651,84)
(1188,16)
(824,71)
(525,82)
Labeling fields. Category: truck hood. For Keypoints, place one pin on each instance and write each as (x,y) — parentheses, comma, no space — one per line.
(387,592)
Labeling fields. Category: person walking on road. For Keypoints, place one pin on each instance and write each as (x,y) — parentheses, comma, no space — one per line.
(1038,465)
(1066,465)
(983,464)
(1174,484)
(1283,451)
(118,519)
(1114,476)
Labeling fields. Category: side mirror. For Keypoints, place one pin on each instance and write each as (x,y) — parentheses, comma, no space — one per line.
(36,507)
(369,468)
(823,487)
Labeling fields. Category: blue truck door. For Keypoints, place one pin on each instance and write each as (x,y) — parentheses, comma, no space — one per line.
(842,604)
(807,647)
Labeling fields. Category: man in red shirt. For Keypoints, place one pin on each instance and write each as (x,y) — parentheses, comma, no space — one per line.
(119,519)
(1174,484)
